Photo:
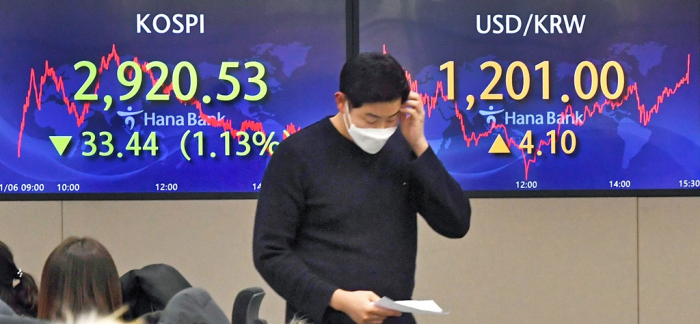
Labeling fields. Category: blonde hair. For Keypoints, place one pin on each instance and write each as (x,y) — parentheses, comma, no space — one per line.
(94,317)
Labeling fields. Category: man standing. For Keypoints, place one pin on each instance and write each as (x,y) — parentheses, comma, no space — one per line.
(336,221)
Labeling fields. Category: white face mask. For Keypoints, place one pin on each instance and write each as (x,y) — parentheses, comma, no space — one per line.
(370,140)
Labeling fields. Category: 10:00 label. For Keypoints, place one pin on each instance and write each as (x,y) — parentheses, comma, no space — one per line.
(68,187)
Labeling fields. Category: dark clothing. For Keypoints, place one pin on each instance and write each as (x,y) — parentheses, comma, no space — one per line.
(6,309)
(8,316)
(8,297)
(8,270)
(331,216)
(150,288)
(192,306)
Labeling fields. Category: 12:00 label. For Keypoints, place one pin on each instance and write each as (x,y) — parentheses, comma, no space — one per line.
(526,184)
(166,186)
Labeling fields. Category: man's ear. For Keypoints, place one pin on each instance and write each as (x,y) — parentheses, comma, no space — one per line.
(340,100)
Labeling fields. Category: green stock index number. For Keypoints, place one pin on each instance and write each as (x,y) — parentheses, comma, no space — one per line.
(130,75)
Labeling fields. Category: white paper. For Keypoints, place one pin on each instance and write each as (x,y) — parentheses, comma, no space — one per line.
(411,306)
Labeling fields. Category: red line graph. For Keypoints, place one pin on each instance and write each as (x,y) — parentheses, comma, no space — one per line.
(50,74)
(430,102)
(291,129)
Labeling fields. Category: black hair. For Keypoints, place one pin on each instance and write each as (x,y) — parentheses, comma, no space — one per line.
(22,298)
(373,77)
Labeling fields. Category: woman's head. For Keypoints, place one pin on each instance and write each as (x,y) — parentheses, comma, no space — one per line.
(23,296)
(95,318)
(79,276)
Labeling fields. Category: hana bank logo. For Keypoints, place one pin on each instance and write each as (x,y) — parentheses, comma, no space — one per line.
(129,117)
(490,114)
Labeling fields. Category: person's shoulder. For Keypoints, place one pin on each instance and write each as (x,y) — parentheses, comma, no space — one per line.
(319,128)
(308,138)
(6,309)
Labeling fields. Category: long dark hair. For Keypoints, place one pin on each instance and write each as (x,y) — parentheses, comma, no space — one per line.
(79,276)
(22,298)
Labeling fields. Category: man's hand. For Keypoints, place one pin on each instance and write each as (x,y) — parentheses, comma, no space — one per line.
(412,125)
(359,305)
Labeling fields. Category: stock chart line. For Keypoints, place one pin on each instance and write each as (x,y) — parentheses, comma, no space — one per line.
(430,101)
(37,89)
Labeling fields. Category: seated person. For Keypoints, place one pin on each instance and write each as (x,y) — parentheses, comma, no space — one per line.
(79,277)
(94,318)
(21,298)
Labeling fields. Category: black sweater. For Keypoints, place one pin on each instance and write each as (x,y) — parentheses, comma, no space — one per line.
(331,216)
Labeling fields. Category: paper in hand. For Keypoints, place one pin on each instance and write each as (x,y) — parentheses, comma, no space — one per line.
(411,306)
